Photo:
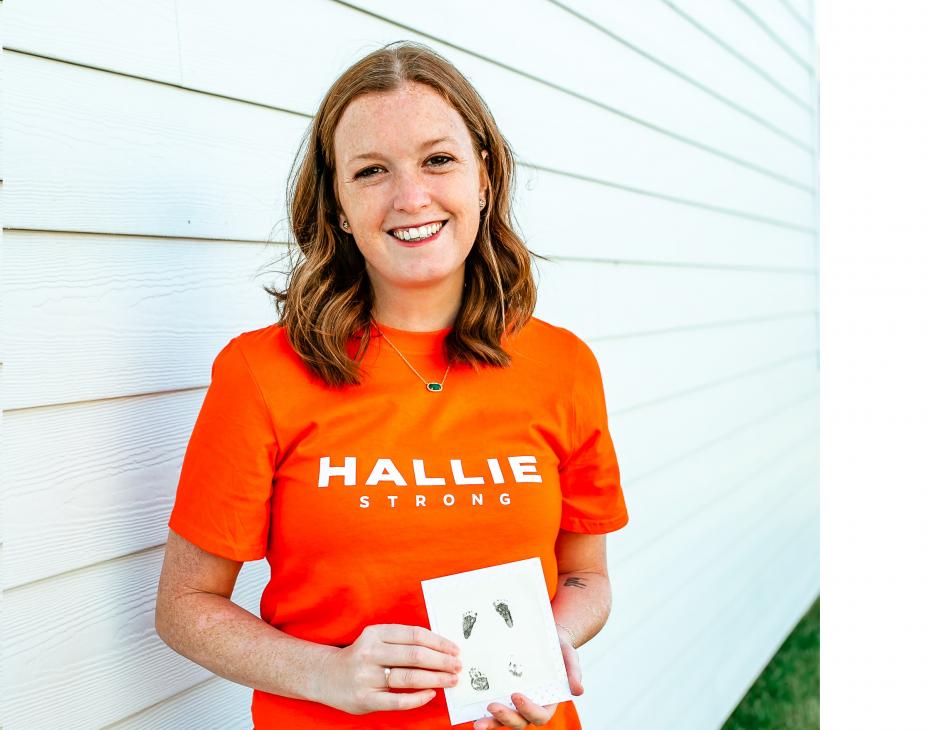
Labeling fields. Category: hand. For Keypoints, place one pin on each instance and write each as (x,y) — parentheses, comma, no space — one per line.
(352,679)
(527,712)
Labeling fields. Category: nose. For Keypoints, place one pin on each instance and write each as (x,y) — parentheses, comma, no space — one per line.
(411,193)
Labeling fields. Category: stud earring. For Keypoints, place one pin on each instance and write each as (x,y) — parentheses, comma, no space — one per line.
(482,202)
(345,225)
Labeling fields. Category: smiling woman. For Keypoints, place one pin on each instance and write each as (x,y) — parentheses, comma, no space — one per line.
(318,448)
(400,141)
(408,192)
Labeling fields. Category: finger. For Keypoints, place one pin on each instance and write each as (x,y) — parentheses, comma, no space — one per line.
(402,634)
(537,714)
(414,655)
(406,678)
(486,724)
(506,717)
(574,675)
(400,700)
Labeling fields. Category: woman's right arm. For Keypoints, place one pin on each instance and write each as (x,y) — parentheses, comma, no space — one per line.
(196,618)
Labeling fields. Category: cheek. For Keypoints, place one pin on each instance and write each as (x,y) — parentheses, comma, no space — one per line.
(372,250)
(467,228)
(362,203)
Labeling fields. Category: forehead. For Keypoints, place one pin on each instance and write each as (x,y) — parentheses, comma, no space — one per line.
(396,123)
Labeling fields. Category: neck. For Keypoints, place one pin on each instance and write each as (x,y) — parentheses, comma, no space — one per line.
(418,309)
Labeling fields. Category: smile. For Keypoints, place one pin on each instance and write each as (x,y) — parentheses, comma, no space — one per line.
(418,236)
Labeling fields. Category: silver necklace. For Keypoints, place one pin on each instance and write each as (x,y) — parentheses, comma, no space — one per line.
(432,387)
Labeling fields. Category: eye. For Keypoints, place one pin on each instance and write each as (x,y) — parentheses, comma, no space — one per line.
(365,171)
(369,171)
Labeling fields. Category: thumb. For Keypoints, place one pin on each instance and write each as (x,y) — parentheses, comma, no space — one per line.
(574,675)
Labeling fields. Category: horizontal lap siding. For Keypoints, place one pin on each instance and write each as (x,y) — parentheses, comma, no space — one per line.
(81,649)
(666,164)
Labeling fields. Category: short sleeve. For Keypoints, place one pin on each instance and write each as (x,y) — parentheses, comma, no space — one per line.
(592,498)
(223,494)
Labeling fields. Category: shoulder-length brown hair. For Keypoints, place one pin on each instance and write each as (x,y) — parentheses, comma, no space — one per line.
(328,296)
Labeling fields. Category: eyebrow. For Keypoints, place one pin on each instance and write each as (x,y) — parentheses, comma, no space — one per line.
(373,155)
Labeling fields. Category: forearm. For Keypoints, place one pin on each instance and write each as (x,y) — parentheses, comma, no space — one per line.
(233,643)
(582,604)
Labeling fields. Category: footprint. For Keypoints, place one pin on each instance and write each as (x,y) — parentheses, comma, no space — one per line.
(470,618)
(478,680)
(503,610)
(514,667)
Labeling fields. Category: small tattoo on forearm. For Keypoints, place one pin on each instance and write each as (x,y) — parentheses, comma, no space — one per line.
(575,583)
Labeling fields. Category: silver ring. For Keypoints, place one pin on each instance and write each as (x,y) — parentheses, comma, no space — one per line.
(386,673)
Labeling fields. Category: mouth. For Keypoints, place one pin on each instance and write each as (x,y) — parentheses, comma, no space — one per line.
(408,239)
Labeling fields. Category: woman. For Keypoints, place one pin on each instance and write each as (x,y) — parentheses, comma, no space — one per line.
(406,418)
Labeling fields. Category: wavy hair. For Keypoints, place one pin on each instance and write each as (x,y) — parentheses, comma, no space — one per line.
(328,298)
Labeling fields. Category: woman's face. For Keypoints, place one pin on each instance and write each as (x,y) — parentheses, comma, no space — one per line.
(405,158)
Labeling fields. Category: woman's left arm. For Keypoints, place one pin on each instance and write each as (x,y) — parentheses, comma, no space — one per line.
(584,596)
(580,606)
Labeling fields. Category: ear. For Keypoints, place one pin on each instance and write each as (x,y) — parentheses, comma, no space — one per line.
(484,176)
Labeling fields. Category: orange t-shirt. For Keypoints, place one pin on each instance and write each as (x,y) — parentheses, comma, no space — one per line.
(355,496)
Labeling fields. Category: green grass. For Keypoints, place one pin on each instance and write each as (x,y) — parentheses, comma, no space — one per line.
(785,696)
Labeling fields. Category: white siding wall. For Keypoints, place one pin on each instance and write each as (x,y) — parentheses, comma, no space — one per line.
(668,165)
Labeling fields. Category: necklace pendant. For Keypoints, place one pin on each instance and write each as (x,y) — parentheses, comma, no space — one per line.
(433,386)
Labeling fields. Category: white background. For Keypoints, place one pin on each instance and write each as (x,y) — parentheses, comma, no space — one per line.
(874,288)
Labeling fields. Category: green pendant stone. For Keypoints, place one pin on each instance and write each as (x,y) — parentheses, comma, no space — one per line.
(433,386)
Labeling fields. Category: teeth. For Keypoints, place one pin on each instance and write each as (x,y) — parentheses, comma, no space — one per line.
(415,234)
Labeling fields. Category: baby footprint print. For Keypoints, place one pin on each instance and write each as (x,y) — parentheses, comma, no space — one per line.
(470,618)
(478,680)
(514,667)
(503,610)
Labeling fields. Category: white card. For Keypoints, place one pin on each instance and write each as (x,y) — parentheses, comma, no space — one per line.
(501,618)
